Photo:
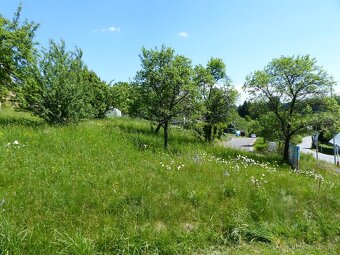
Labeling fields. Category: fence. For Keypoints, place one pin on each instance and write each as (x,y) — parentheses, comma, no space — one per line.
(294,156)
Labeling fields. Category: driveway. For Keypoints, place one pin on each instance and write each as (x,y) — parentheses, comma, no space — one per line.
(243,143)
(305,147)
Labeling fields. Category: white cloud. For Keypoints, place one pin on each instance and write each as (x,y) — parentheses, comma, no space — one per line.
(111,29)
(183,34)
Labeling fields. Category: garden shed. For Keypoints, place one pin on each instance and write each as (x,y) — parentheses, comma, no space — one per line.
(113,112)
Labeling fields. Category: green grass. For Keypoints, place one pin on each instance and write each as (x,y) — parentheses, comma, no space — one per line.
(10,117)
(108,187)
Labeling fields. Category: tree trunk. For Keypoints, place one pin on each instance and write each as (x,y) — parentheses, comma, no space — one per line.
(207,132)
(286,149)
(158,128)
(165,127)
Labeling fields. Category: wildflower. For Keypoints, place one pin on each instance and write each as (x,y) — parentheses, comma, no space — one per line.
(15,142)
(226,173)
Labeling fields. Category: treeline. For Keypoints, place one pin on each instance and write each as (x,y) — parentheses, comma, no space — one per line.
(56,85)
(289,96)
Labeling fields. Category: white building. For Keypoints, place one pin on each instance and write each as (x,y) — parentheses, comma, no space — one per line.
(113,112)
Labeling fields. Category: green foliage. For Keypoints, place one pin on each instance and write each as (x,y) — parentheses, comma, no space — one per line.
(104,187)
(125,97)
(325,136)
(17,51)
(243,110)
(165,86)
(261,145)
(60,93)
(200,131)
(96,92)
(288,87)
(217,96)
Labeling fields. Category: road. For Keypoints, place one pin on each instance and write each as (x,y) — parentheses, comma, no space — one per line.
(243,143)
(305,147)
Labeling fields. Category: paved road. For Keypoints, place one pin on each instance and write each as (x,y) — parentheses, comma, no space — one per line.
(305,147)
(243,143)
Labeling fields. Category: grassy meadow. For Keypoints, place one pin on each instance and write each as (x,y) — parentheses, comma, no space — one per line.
(108,187)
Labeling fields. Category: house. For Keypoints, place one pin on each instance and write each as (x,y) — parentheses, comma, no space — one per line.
(113,112)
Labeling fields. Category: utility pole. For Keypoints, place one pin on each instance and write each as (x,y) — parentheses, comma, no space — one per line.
(315,140)
(334,148)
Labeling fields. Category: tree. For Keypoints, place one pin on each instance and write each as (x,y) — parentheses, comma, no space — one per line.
(97,93)
(58,92)
(17,51)
(124,96)
(243,110)
(217,96)
(290,85)
(165,86)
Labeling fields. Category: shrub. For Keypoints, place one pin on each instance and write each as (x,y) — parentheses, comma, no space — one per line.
(261,145)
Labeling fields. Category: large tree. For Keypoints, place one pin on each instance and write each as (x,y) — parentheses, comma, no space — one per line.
(217,96)
(290,86)
(17,51)
(165,86)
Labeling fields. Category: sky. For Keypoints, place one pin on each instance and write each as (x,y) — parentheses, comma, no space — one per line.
(246,34)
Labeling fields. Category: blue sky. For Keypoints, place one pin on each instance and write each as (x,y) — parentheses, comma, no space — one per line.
(246,34)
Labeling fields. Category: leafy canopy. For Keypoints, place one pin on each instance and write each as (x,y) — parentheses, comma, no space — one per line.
(165,86)
(217,96)
(289,86)
(58,93)
(17,53)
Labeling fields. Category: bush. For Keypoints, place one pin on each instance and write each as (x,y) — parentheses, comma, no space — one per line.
(217,130)
(261,145)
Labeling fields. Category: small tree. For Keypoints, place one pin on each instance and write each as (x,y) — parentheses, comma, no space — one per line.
(165,86)
(217,96)
(57,94)
(290,85)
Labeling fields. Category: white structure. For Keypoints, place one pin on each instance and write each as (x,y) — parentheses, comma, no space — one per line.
(335,141)
(113,112)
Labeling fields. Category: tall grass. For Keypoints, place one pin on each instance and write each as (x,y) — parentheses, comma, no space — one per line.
(108,187)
